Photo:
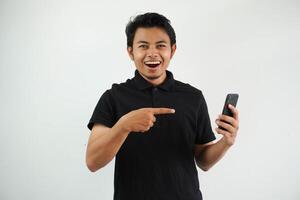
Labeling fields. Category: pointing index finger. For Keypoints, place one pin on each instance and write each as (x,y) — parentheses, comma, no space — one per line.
(157,111)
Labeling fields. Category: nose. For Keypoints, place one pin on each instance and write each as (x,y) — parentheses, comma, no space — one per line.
(152,52)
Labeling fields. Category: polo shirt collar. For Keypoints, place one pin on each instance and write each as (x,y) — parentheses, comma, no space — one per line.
(142,84)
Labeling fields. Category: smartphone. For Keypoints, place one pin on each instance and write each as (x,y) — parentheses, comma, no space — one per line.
(230,99)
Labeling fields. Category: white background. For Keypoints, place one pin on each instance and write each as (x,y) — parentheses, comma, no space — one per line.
(58,57)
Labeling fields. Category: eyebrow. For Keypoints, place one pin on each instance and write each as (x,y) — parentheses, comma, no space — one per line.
(162,41)
(145,42)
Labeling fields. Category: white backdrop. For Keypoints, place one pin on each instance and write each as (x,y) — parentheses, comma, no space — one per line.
(58,57)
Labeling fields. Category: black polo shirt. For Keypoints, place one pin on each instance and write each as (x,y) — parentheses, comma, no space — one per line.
(158,164)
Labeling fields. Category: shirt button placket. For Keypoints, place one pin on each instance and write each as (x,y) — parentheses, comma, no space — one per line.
(154,93)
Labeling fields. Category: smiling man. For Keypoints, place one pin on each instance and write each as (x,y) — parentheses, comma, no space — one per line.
(151,52)
(157,128)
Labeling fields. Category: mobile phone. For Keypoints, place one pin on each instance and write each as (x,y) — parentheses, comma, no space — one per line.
(230,99)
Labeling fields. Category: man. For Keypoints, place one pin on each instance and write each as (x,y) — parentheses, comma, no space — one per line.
(156,126)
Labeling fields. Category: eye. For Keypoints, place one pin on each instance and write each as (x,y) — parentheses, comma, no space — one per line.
(161,46)
(143,46)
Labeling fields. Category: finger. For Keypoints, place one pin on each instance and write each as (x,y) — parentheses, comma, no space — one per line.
(229,120)
(151,124)
(146,129)
(154,119)
(223,132)
(234,111)
(225,125)
(157,111)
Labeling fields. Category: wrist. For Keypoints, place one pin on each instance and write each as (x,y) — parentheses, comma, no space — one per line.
(122,125)
(225,143)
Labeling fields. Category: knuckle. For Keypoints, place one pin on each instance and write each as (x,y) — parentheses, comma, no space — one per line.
(143,109)
(224,118)
(227,126)
(149,116)
(148,112)
(236,125)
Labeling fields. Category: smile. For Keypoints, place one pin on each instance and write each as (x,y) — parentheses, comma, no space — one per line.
(152,64)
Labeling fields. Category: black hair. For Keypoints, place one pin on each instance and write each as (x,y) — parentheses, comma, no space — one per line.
(149,20)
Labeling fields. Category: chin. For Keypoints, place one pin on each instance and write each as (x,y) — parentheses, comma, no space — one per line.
(152,77)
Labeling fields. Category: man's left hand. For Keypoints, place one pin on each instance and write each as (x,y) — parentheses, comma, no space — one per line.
(230,124)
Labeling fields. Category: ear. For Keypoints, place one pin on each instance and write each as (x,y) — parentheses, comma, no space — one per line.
(173,49)
(130,52)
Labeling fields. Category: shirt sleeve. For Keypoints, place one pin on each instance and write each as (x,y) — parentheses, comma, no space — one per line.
(204,130)
(103,112)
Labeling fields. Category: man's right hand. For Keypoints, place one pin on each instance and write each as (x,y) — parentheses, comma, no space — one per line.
(142,120)
(104,143)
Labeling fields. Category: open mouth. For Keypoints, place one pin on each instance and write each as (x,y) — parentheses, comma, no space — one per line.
(152,64)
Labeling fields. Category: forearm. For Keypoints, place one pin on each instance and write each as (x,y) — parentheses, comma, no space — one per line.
(212,154)
(103,148)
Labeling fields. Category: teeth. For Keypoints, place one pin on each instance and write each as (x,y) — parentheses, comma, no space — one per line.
(152,62)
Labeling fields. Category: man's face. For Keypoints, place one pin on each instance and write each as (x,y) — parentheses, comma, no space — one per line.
(151,52)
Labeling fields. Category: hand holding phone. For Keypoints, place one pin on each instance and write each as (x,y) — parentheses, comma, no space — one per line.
(230,99)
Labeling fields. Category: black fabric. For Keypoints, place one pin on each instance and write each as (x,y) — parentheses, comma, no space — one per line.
(159,164)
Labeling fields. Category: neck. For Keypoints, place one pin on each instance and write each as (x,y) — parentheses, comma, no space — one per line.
(156,81)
